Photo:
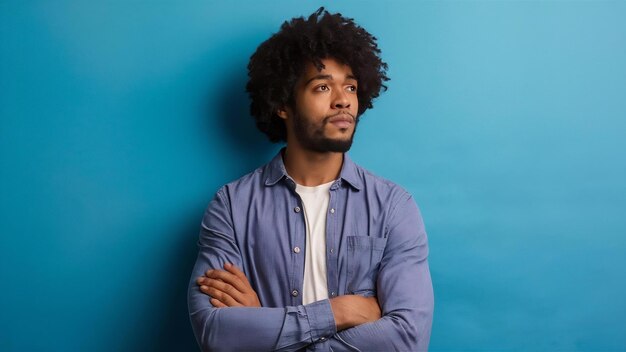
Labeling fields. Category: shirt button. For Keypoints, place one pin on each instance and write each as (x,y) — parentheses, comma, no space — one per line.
(296,249)
(322,339)
(332,210)
(333,294)
(332,251)
(294,293)
(296,209)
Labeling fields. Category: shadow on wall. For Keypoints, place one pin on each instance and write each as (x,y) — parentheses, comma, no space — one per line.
(174,332)
(158,317)
(249,145)
(248,148)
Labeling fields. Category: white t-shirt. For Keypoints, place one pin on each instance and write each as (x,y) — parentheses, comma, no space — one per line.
(315,203)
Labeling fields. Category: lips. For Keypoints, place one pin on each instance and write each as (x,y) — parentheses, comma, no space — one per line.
(342,120)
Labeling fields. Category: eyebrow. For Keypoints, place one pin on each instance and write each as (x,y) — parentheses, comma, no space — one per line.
(327,77)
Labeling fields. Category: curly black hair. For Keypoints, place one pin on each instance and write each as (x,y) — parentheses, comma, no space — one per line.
(279,62)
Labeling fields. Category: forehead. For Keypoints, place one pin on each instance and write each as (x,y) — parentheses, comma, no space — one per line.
(332,67)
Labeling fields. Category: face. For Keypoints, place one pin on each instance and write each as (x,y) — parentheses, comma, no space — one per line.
(324,118)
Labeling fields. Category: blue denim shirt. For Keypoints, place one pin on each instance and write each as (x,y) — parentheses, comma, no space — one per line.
(376,245)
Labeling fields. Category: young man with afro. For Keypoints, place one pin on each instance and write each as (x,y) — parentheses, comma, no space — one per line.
(311,251)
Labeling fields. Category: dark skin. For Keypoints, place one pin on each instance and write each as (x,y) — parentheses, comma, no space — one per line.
(230,288)
(319,95)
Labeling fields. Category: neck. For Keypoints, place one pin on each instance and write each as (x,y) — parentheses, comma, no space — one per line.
(310,168)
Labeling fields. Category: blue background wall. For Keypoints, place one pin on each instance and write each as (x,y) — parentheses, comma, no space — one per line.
(505,120)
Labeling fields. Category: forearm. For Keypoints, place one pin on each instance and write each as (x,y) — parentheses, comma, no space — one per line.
(394,332)
(259,329)
(407,304)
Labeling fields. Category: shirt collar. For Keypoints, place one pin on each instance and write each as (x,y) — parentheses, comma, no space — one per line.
(275,171)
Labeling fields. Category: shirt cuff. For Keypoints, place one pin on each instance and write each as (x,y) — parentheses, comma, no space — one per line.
(321,320)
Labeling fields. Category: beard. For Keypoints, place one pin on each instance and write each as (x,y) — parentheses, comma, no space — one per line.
(312,137)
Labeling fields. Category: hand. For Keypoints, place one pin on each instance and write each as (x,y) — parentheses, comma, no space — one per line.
(353,310)
(228,288)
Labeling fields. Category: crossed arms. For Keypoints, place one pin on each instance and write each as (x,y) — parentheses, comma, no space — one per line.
(230,288)
(230,317)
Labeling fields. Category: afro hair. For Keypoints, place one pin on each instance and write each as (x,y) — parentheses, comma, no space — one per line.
(279,62)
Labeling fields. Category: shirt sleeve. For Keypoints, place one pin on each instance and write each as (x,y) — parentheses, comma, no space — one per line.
(404,292)
(245,328)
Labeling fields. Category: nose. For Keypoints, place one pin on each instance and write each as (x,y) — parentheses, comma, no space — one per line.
(341,100)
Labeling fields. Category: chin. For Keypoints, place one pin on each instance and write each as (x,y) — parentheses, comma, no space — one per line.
(336,145)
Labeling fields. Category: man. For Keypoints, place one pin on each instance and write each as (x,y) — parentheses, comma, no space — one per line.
(312,251)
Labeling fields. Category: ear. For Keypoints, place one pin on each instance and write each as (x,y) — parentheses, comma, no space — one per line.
(282,113)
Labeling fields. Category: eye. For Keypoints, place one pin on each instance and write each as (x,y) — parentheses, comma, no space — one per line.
(322,88)
(352,88)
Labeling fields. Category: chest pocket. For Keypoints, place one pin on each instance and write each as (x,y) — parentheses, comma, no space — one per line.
(364,255)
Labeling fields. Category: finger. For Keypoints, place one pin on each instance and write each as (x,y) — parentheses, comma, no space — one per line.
(204,289)
(208,272)
(207,289)
(226,288)
(228,278)
(217,304)
(202,280)
(235,271)
(223,297)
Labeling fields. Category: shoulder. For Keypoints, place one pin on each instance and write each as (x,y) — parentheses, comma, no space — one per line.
(373,184)
(402,215)
(389,203)
(243,186)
